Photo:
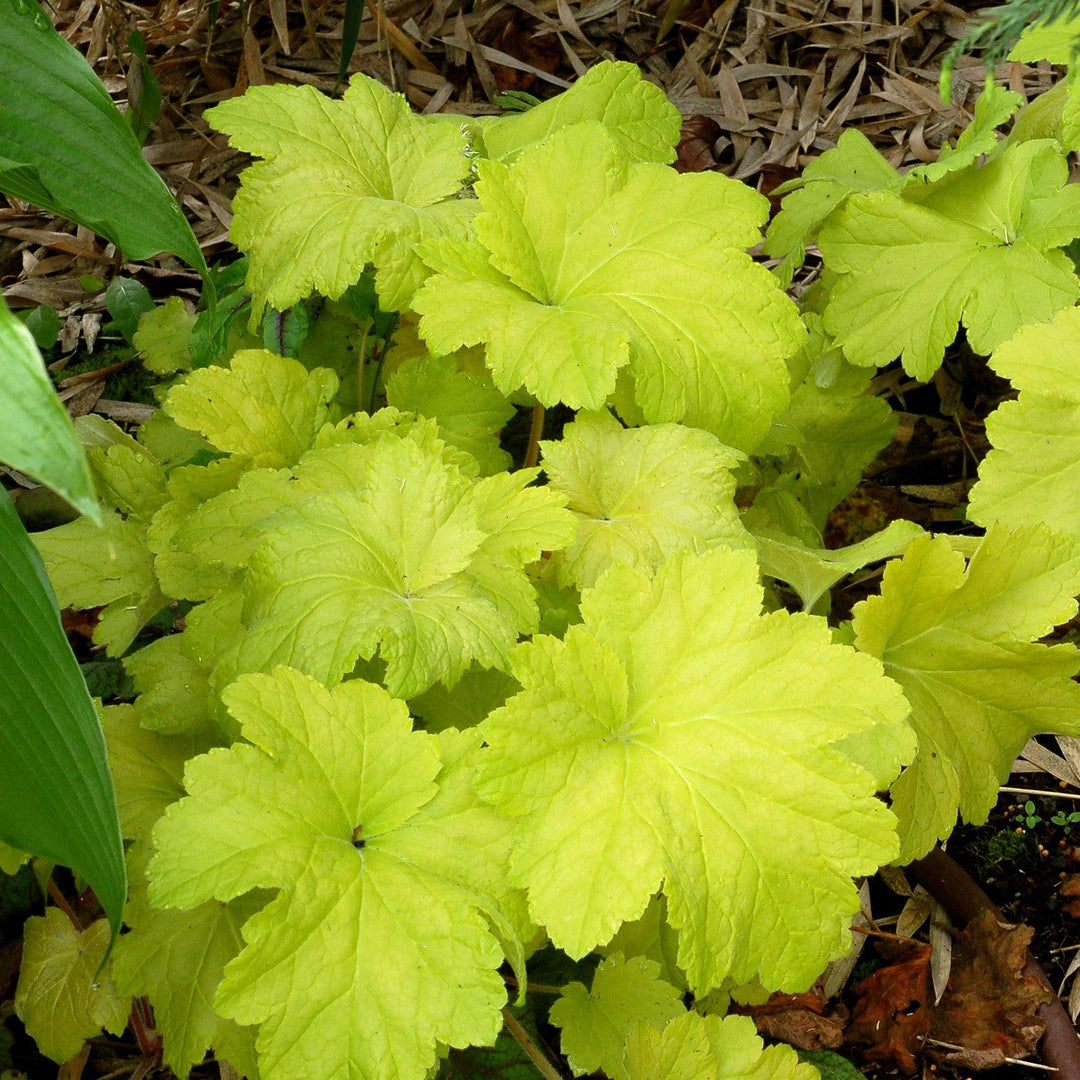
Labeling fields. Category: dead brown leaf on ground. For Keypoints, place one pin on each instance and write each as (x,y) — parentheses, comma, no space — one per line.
(808,1021)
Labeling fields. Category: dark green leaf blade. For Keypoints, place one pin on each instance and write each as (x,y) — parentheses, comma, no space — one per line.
(62,137)
(37,436)
(56,794)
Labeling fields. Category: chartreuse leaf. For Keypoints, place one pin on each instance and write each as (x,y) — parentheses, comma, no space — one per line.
(61,998)
(853,165)
(65,147)
(977,247)
(639,494)
(264,406)
(1054,41)
(583,265)
(831,430)
(665,706)
(994,106)
(811,572)
(164,336)
(596,1023)
(343,184)
(172,687)
(643,123)
(1032,474)
(111,566)
(58,799)
(410,560)
(37,436)
(695,1047)
(470,412)
(960,645)
(377,930)
(653,937)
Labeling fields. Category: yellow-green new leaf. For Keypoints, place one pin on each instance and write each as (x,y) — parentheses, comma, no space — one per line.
(583,265)
(377,930)
(678,702)
(640,494)
(343,184)
(264,406)
(61,998)
(1032,474)
(694,1047)
(960,644)
(978,247)
(596,1023)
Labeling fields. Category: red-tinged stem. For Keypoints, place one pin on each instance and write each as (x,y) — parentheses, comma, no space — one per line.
(962,900)
(142,1027)
(63,905)
(536,1055)
(532,455)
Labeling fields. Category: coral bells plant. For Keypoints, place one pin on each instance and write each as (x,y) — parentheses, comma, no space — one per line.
(413,720)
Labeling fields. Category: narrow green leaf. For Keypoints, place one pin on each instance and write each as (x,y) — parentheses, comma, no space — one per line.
(65,147)
(37,436)
(350,33)
(56,795)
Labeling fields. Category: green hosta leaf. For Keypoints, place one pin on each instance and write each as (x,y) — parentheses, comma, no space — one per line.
(812,572)
(176,959)
(470,412)
(636,114)
(976,247)
(583,265)
(640,494)
(111,565)
(694,1047)
(1032,474)
(58,800)
(60,998)
(664,707)
(65,147)
(853,165)
(265,406)
(37,436)
(164,336)
(343,184)
(995,106)
(960,646)
(411,560)
(595,1024)
(336,802)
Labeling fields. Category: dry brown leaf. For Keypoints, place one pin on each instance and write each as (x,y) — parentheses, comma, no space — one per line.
(808,1021)
(891,1017)
(990,1006)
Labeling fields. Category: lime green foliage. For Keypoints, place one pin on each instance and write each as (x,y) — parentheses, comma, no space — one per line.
(330,582)
(661,708)
(372,177)
(994,107)
(1055,41)
(596,1023)
(1033,473)
(637,115)
(340,805)
(583,265)
(640,494)
(60,998)
(853,165)
(959,642)
(163,336)
(978,246)
(469,410)
(694,1047)
(832,429)
(265,406)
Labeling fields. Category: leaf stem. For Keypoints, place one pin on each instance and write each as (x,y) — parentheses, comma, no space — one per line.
(536,1055)
(63,905)
(537,429)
